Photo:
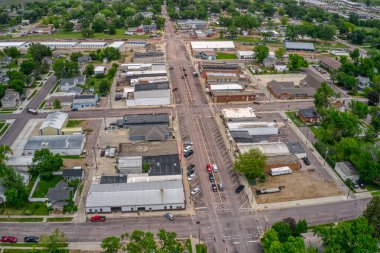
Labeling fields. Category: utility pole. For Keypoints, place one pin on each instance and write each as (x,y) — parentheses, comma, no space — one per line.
(199,232)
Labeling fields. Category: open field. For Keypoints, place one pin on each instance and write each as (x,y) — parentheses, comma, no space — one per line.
(222,56)
(9,2)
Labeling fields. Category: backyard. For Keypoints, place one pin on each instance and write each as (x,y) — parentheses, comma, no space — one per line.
(44,185)
(295,119)
(224,56)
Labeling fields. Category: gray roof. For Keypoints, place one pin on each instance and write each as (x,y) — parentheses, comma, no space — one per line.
(75,89)
(363,80)
(331,63)
(136,194)
(152,86)
(289,88)
(55,142)
(150,133)
(309,113)
(55,120)
(148,54)
(145,119)
(113,179)
(60,192)
(299,46)
(73,173)
(313,79)
(295,147)
(220,65)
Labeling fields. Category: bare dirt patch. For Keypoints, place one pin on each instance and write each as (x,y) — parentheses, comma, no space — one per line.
(299,185)
(70,163)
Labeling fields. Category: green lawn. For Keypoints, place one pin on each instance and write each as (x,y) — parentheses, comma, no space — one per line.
(2,123)
(74,123)
(32,95)
(375,193)
(42,105)
(59,219)
(4,129)
(44,185)
(29,209)
(71,157)
(295,119)
(224,56)
(54,88)
(201,248)
(21,219)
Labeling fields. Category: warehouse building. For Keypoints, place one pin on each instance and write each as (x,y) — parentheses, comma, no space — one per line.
(299,46)
(92,44)
(239,114)
(148,57)
(149,94)
(246,55)
(143,120)
(117,44)
(144,80)
(141,196)
(62,44)
(197,46)
(267,148)
(57,144)
(130,165)
(287,90)
(233,87)
(11,44)
(220,67)
(254,128)
(54,123)
(219,77)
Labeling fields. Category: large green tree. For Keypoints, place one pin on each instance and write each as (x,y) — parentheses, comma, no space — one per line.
(262,52)
(323,96)
(54,242)
(12,52)
(140,241)
(45,162)
(372,214)
(251,163)
(27,67)
(111,244)
(296,62)
(348,236)
(359,109)
(39,51)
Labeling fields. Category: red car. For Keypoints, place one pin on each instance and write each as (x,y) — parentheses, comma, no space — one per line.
(98,218)
(8,238)
(208,167)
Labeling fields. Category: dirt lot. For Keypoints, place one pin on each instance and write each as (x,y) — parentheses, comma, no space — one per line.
(299,185)
(70,163)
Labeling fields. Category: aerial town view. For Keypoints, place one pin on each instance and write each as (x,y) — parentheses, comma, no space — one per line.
(190,126)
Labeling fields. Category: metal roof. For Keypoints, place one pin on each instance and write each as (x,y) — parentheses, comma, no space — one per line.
(113,179)
(152,86)
(92,43)
(55,142)
(149,132)
(135,194)
(299,46)
(146,119)
(11,44)
(268,149)
(225,87)
(295,147)
(116,44)
(148,54)
(72,172)
(237,113)
(212,44)
(129,161)
(55,120)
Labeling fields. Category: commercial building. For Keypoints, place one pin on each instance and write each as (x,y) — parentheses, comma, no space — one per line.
(192,24)
(330,64)
(226,97)
(254,128)
(296,149)
(117,44)
(219,77)
(143,120)
(64,100)
(313,79)
(61,44)
(57,144)
(225,88)
(83,101)
(141,196)
(145,80)
(220,67)
(148,57)
(267,148)
(239,114)
(308,115)
(197,46)
(149,133)
(149,94)
(92,44)
(346,171)
(11,99)
(113,179)
(54,123)
(129,165)
(11,44)
(287,90)
(153,148)
(246,55)
(299,46)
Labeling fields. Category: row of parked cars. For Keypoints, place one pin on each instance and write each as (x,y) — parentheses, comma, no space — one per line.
(13,239)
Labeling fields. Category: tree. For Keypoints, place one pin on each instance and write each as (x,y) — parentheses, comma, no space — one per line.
(104,87)
(347,81)
(110,53)
(284,20)
(283,230)
(372,214)
(357,37)
(15,194)
(301,227)
(57,104)
(272,244)
(90,70)
(348,236)
(232,32)
(87,33)
(12,52)
(360,109)
(44,163)
(269,10)
(296,62)
(54,242)
(17,85)
(355,54)
(65,68)
(68,26)
(323,95)
(221,34)
(262,52)
(99,24)
(326,32)
(252,163)
(373,98)
(279,53)
(27,67)
(39,52)
(75,55)
(112,30)
(140,241)
(111,244)
(4,152)
(168,242)
(375,122)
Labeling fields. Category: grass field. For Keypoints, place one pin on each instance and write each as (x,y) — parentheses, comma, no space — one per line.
(21,219)
(59,219)
(224,56)
(295,119)
(28,209)
(201,248)
(74,123)
(44,185)
(4,129)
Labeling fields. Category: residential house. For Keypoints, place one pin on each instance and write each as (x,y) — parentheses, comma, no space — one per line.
(2,194)
(54,123)
(11,99)
(269,62)
(42,29)
(346,171)
(146,14)
(308,115)
(59,196)
(82,60)
(5,61)
(73,174)
(363,82)
(83,101)
(100,70)
(287,90)
(76,90)
(68,83)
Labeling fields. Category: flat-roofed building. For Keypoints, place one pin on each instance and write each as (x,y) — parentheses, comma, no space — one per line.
(237,96)
(299,46)
(218,66)
(246,55)
(130,165)
(212,45)
(290,161)
(117,44)
(330,64)
(56,44)
(148,57)
(92,44)
(143,120)
(267,148)
(219,77)
(239,114)
(254,128)
(214,88)
(346,171)
(11,44)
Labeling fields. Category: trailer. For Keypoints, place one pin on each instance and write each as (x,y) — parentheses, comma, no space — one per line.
(280,171)
(32,111)
(112,152)
(270,190)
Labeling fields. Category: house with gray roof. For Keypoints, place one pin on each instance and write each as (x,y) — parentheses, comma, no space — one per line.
(73,174)
(59,196)
(83,101)
(143,120)
(11,99)
(76,90)
(64,100)
(269,62)
(57,144)
(363,82)
(82,60)
(139,196)
(67,83)
(287,90)
(308,115)
(346,171)
(299,46)
(54,123)
(149,133)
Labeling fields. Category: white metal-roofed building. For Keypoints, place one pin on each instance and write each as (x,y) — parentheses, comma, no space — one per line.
(54,123)
(57,144)
(129,164)
(92,44)
(56,44)
(302,46)
(99,70)
(225,87)
(117,44)
(10,44)
(239,114)
(245,55)
(213,45)
(267,148)
(254,128)
(126,197)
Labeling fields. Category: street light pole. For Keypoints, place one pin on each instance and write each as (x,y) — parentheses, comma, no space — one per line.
(199,232)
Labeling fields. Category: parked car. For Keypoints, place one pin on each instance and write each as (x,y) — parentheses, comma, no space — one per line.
(239,189)
(74,109)
(187,148)
(191,167)
(188,142)
(356,186)
(306,160)
(208,168)
(220,187)
(191,177)
(98,218)
(361,184)
(213,187)
(102,152)
(195,191)
(169,216)
(215,168)
(188,153)
(8,238)
(211,177)
(31,239)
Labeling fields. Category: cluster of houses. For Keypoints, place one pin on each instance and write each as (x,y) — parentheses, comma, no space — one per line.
(66,44)
(149,176)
